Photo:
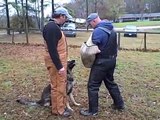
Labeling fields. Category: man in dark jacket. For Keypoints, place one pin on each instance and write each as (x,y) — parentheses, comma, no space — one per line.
(56,60)
(103,68)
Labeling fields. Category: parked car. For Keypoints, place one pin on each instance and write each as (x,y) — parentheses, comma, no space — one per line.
(69,29)
(130,31)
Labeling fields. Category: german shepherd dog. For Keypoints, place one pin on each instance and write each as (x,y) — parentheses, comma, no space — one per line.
(46,93)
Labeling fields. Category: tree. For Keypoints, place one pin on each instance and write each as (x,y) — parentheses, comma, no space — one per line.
(52,5)
(140,6)
(36,10)
(42,14)
(5,7)
(114,9)
(7,14)
(106,8)
(26,22)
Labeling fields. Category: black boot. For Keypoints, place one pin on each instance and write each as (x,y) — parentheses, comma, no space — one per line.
(87,113)
(119,108)
(66,113)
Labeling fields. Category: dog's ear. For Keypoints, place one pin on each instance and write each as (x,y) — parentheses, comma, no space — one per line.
(73,61)
(70,64)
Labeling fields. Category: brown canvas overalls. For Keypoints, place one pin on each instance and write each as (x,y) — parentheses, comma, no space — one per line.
(58,82)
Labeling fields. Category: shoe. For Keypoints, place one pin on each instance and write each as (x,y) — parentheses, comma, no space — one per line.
(87,113)
(66,113)
(119,108)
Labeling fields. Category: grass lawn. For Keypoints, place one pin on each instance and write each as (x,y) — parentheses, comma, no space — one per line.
(23,73)
(138,24)
(153,42)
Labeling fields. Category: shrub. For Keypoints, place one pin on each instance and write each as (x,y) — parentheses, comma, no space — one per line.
(18,22)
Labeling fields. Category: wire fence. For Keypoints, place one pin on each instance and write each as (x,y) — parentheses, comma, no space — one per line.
(145,41)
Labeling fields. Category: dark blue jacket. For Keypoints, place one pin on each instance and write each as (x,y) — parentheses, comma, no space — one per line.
(99,36)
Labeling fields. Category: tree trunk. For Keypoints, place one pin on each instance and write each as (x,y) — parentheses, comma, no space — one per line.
(8,20)
(87,11)
(42,15)
(37,14)
(52,6)
(26,22)
(16,2)
(23,13)
(95,6)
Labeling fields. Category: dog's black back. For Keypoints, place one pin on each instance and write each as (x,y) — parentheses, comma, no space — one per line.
(46,93)
(45,97)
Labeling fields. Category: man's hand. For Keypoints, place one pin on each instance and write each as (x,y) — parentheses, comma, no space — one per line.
(62,71)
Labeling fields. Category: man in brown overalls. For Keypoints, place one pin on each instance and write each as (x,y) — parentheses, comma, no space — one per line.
(56,60)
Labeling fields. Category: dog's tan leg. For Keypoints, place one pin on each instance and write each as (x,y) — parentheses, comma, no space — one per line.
(73,100)
(68,106)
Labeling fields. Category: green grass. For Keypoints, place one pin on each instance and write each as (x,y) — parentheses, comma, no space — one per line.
(23,73)
(1,118)
(4,65)
(138,24)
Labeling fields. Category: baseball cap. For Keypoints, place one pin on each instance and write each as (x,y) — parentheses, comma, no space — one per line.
(63,11)
(91,17)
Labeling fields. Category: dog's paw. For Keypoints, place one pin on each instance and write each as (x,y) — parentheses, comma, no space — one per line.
(47,104)
(71,109)
(77,104)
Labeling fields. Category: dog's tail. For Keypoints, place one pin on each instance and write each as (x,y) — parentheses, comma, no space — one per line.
(27,102)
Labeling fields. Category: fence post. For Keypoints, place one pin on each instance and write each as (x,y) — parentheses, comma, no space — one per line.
(13,37)
(145,46)
(119,40)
